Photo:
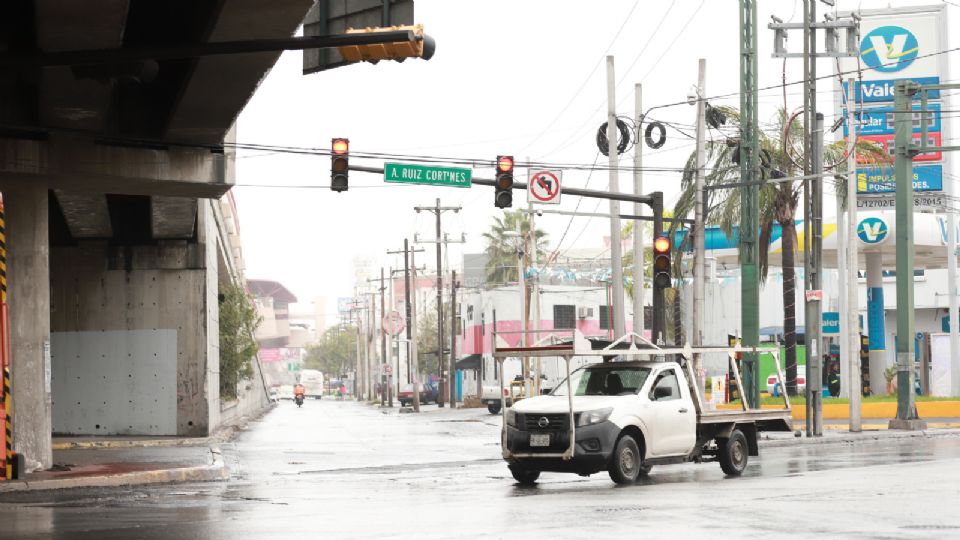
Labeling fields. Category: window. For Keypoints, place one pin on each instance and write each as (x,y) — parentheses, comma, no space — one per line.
(604,381)
(666,379)
(604,317)
(469,313)
(564,316)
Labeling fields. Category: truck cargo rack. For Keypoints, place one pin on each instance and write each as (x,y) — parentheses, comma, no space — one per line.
(626,347)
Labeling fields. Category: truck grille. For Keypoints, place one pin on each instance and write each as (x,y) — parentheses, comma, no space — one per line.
(554,422)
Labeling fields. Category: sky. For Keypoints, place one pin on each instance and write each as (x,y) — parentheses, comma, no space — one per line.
(523,78)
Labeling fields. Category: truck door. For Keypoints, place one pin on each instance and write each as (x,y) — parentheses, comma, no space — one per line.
(674,419)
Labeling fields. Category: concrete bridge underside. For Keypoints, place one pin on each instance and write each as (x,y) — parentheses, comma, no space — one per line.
(115,248)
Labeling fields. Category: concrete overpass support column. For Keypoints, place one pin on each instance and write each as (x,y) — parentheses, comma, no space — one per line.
(28,278)
(876,328)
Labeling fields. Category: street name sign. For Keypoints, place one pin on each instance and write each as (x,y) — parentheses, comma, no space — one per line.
(408,173)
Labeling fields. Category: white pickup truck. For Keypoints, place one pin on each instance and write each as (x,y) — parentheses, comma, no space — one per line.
(627,416)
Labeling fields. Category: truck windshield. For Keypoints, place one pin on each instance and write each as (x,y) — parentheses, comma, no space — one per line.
(604,381)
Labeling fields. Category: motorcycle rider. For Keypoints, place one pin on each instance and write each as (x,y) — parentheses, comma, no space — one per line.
(298,393)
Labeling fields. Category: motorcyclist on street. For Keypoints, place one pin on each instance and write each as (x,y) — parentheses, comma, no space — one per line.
(299,390)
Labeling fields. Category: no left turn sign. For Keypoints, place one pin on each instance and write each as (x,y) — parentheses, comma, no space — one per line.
(544,187)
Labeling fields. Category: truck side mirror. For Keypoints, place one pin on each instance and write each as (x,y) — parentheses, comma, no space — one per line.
(662,392)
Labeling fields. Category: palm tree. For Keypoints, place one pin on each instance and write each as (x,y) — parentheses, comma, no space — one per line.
(504,250)
(502,246)
(778,202)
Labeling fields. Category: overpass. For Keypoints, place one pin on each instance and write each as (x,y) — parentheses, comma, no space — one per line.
(116,242)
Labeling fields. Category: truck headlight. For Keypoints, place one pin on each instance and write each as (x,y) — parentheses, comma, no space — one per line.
(589,418)
(511,418)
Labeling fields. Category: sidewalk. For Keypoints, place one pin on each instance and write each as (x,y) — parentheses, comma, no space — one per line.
(84,462)
(127,463)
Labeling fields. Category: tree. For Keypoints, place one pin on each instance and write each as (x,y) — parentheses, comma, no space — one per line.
(501,246)
(238,322)
(778,201)
(504,252)
(335,352)
(427,337)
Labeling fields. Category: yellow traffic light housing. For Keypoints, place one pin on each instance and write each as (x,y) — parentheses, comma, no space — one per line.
(503,192)
(661,264)
(339,164)
(421,46)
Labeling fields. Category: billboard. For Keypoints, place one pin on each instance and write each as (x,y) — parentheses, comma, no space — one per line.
(897,44)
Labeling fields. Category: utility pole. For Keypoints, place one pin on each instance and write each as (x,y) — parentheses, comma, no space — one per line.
(811,219)
(616,259)
(437,211)
(700,271)
(522,289)
(407,304)
(812,189)
(414,361)
(638,253)
(535,294)
(814,240)
(453,339)
(749,201)
(852,335)
(386,386)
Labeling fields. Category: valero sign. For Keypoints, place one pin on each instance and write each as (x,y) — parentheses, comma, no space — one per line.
(889,48)
(872,230)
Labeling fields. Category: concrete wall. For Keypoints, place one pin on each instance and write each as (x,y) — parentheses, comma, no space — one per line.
(96,288)
(115,382)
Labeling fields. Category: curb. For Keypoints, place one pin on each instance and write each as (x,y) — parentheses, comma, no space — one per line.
(863,436)
(148,443)
(216,470)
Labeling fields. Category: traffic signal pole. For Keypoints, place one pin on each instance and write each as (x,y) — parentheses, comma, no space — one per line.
(749,201)
(653,200)
(904,91)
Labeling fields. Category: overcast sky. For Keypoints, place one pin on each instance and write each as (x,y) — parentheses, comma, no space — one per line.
(526,78)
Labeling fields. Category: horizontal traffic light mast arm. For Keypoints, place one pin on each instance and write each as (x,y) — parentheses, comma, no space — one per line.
(112,56)
(599,214)
(589,193)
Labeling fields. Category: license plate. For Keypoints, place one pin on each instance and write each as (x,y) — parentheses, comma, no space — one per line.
(539,439)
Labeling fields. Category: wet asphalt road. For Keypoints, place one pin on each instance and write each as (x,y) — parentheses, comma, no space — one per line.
(345,470)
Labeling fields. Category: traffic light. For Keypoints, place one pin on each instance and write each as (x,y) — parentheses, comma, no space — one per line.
(421,46)
(661,263)
(503,196)
(339,166)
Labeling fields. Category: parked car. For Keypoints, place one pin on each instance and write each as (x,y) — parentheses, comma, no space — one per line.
(427,394)
(801,381)
(286,392)
(274,395)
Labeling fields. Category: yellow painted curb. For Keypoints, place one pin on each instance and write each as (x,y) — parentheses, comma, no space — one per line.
(876,427)
(886,410)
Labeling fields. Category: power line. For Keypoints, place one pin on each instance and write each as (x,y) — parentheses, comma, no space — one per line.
(585,80)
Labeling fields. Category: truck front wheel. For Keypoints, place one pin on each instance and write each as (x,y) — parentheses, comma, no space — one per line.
(733,453)
(524,476)
(626,462)
(494,408)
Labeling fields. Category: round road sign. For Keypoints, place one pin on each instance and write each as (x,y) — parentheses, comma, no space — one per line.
(544,187)
(393,323)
